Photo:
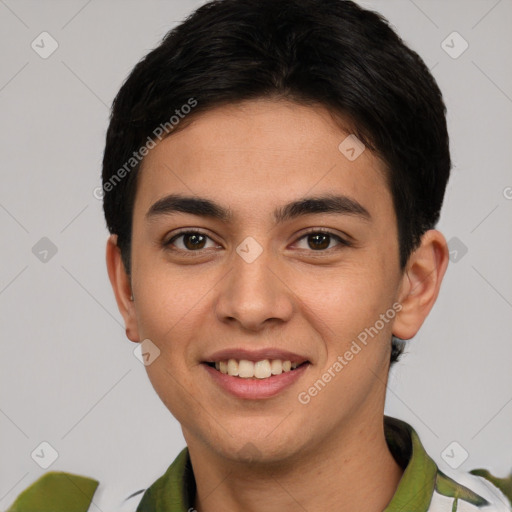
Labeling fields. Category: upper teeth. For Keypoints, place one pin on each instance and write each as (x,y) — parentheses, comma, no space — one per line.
(260,369)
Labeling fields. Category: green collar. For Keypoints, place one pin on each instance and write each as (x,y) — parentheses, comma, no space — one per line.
(175,490)
(417,485)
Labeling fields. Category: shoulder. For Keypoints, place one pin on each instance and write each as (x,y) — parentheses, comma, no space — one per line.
(472,491)
(60,491)
(116,498)
(429,488)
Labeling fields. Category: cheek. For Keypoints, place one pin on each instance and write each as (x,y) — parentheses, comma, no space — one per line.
(165,298)
(174,310)
(345,301)
(345,311)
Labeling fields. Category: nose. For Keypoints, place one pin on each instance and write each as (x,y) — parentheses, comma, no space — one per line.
(255,294)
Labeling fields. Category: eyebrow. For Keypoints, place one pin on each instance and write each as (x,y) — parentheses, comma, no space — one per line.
(338,204)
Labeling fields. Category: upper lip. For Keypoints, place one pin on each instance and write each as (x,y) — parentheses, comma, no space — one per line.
(255,355)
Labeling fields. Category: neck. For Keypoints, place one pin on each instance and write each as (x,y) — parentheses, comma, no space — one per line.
(352,471)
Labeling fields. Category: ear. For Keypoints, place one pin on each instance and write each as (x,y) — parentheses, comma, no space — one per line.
(121,285)
(421,283)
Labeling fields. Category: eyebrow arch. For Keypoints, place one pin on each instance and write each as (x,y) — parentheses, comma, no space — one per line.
(203,207)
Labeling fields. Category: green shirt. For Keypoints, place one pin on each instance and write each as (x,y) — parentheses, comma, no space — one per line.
(422,488)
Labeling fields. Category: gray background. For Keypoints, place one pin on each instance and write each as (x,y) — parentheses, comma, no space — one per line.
(69,376)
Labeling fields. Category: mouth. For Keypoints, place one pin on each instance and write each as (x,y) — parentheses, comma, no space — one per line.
(255,370)
(258,379)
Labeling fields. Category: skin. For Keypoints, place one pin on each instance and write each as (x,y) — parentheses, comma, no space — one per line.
(252,158)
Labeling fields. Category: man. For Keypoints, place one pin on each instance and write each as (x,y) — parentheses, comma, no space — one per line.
(272,178)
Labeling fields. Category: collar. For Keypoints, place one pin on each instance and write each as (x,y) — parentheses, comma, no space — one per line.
(175,490)
(417,485)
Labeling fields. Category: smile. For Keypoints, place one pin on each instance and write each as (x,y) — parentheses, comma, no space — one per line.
(255,380)
(246,369)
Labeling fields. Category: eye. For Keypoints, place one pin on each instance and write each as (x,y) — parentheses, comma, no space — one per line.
(193,241)
(320,240)
(190,241)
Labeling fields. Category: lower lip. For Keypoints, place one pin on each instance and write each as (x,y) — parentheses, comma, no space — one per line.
(256,389)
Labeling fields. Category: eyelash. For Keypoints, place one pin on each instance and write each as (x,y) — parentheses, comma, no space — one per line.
(313,231)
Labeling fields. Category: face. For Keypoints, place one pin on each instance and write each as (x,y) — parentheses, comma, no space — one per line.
(251,268)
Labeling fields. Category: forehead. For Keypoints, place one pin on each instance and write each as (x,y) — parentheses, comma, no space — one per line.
(261,153)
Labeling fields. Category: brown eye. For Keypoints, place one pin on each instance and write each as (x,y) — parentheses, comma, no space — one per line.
(321,241)
(194,241)
(189,241)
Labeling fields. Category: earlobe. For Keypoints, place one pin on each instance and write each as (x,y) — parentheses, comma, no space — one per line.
(121,287)
(421,283)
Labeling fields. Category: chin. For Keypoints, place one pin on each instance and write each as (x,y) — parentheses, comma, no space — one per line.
(254,451)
